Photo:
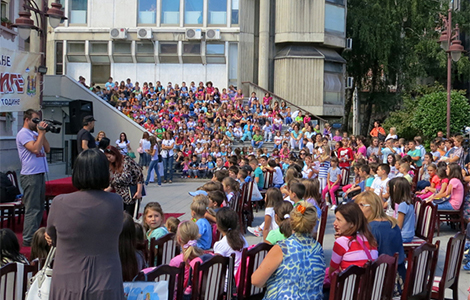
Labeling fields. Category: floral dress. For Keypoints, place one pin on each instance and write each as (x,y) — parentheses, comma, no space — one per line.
(131,175)
(301,273)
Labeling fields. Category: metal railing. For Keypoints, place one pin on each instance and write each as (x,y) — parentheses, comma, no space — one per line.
(261,91)
(55,155)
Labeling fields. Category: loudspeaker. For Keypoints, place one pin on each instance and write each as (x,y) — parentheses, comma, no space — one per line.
(78,109)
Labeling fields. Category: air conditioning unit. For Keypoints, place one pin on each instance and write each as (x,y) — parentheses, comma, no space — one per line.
(349,43)
(213,34)
(193,34)
(144,33)
(349,82)
(118,33)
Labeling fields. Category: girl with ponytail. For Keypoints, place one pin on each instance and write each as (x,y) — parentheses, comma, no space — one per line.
(232,241)
(282,218)
(187,236)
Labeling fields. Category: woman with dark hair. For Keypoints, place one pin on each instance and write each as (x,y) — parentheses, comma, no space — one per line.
(168,144)
(10,250)
(296,138)
(378,131)
(126,178)
(354,244)
(131,262)
(85,228)
(103,144)
(123,143)
(144,146)
(455,190)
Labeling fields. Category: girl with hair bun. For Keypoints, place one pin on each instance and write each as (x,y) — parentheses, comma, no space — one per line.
(295,267)
(282,218)
(187,236)
(233,241)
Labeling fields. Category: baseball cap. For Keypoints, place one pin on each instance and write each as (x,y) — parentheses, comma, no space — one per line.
(200,192)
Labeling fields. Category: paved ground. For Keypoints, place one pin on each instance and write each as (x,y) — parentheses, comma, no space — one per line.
(174,198)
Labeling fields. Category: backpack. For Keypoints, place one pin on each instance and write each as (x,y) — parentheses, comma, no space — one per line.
(8,191)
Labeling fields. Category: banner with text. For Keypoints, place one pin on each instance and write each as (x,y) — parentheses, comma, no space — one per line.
(19,80)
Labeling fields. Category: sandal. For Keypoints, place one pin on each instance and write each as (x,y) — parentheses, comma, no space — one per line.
(169,181)
(164,181)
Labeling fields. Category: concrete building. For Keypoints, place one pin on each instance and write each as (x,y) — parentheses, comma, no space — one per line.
(281,45)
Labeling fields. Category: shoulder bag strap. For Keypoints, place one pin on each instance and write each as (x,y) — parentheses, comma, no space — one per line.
(361,242)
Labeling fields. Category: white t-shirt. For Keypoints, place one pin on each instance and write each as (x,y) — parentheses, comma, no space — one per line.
(380,185)
(277,178)
(145,144)
(223,248)
(269,211)
(277,140)
(123,146)
(168,143)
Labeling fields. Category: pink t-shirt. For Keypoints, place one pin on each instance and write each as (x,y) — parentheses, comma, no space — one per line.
(362,150)
(456,195)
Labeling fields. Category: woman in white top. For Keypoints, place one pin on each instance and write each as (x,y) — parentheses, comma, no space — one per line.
(123,143)
(167,155)
(144,146)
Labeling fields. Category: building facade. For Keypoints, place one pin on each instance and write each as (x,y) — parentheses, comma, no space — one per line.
(291,48)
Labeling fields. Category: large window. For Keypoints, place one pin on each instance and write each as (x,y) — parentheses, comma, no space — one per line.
(192,53)
(100,73)
(76,52)
(334,18)
(170,12)
(122,52)
(215,53)
(59,58)
(168,53)
(193,12)
(333,83)
(4,9)
(217,12)
(145,52)
(232,63)
(99,53)
(78,11)
(235,11)
(147,12)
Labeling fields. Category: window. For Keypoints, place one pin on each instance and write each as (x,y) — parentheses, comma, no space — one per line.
(76,52)
(338,2)
(147,12)
(192,53)
(99,53)
(215,53)
(333,88)
(122,52)
(193,12)
(334,18)
(100,73)
(170,12)
(78,11)
(235,12)
(168,53)
(145,52)
(59,58)
(232,63)
(4,9)
(217,12)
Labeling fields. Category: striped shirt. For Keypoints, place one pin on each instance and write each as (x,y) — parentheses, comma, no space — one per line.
(324,166)
(347,252)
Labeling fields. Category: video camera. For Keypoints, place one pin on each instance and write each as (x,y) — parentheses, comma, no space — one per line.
(50,124)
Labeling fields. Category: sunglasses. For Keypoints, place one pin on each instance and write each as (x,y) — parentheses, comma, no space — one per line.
(364,205)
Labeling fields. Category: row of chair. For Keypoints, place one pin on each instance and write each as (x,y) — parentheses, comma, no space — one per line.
(377,279)
(9,210)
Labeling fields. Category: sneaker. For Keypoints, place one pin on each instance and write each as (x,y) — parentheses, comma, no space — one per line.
(333,207)
(467,267)
(255,231)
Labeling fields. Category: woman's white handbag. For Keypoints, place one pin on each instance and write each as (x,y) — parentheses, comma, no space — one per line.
(41,282)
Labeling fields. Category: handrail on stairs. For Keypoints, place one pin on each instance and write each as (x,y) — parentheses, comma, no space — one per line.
(282,99)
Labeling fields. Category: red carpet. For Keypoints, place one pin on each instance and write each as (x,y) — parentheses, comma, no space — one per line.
(26,251)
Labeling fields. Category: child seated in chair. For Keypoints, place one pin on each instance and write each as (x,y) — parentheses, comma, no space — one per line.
(198,210)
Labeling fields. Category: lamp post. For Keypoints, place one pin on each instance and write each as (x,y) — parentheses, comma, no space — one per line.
(451,43)
(25,24)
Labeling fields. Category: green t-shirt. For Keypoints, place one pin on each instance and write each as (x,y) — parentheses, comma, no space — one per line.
(259,173)
(257,137)
(159,132)
(275,236)
(414,153)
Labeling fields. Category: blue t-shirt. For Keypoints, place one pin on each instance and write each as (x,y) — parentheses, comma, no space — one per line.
(389,239)
(408,228)
(414,153)
(259,173)
(205,230)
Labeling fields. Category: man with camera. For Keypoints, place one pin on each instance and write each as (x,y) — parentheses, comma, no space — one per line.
(84,138)
(32,148)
